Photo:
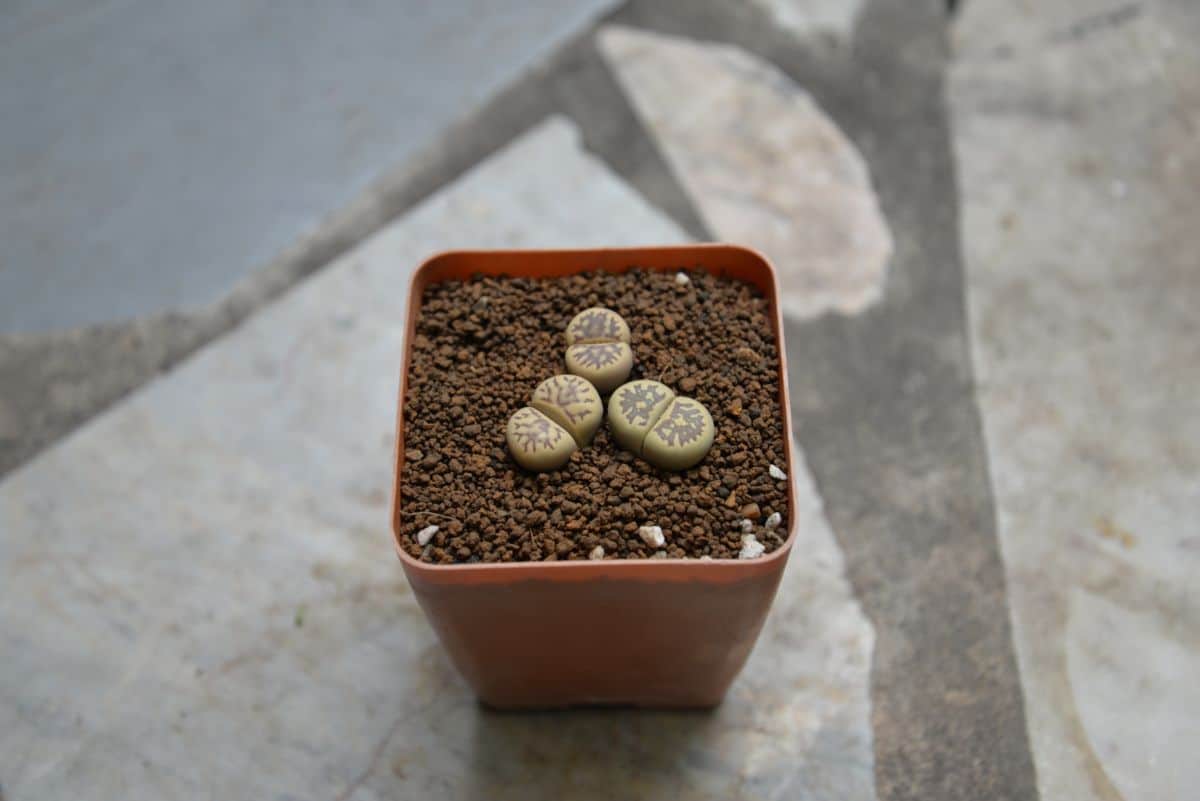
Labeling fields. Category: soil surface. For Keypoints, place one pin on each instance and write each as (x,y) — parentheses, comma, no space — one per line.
(480,349)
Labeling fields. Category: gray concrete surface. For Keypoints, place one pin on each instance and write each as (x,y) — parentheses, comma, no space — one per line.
(909,739)
(152,154)
(811,19)
(766,167)
(1074,183)
(1080,163)
(883,91)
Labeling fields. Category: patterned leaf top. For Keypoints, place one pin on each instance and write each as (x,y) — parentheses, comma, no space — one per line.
(682,424)
(533,430)
(598,356)
(638,401)
(575,396)
(597,325)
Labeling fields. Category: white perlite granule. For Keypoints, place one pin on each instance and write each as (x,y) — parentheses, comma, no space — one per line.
(751,548)
(426,534)
(774,520)
(745,525)
(776,473)
(660,554)
(682,279)
(652,536)
(597,552)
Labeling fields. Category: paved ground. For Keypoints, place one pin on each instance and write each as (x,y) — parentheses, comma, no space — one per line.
(155,153)
(993,597)
(1076,135)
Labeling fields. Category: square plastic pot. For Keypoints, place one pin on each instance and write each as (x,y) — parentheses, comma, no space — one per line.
(653,632)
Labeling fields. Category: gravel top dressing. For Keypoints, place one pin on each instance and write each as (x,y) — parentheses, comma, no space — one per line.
(481,349)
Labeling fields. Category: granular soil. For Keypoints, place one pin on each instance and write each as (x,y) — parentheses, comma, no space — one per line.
(482,346)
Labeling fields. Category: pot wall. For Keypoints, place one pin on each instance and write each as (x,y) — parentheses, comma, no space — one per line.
(657,633)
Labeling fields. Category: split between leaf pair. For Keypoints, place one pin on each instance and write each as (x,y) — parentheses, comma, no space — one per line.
(563,415)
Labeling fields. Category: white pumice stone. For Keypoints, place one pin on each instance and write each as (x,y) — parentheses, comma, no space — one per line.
(426,534)
(776,473)
(536,442)
(706,558)
(773,521)
(745,525)
(597,324)
(605,364)
(571,402)
(660,554)
(633,410)
(597,553)
(751,548)
(682,279)
(652,536)
(681,437)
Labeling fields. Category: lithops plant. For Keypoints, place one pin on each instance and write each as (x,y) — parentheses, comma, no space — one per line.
(634,409)
(668,431)
(573,403)
(598,348)
(563,415)
(537,442)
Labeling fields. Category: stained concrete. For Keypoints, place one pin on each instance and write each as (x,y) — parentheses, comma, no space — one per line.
(1077,139)
(765,165)
(833,20)
(154,154)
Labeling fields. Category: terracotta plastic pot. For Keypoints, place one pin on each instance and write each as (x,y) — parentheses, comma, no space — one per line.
(654,632)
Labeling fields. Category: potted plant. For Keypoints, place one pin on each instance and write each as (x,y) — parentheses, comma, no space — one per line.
(531,625)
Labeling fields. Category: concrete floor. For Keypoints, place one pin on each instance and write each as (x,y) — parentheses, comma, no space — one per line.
(152,154)
(995,597)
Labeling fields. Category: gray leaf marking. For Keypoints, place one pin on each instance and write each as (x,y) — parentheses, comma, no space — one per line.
(598,356)
(638,401)
(682,425)
(596,325)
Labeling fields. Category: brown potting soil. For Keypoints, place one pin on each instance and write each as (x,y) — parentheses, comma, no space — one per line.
(480,349)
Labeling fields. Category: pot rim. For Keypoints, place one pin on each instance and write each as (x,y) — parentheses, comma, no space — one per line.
(710,569)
